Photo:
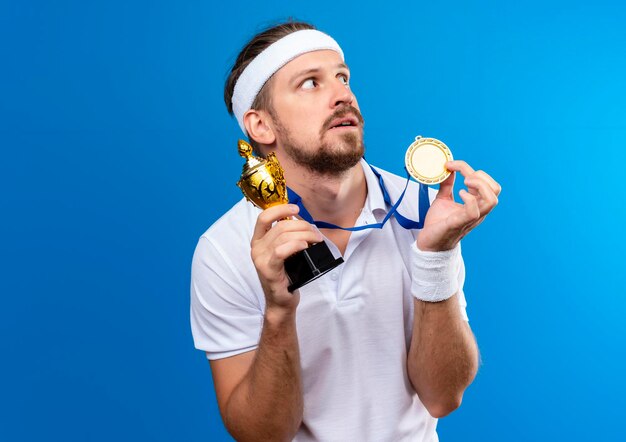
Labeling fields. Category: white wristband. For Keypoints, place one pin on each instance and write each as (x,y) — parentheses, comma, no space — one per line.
(435,274)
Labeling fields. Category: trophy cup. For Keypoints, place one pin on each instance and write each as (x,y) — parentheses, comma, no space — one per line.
(263,184)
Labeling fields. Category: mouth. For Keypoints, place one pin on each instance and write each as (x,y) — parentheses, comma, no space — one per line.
(343,123)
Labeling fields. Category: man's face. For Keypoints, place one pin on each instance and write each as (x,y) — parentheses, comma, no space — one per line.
(316,115)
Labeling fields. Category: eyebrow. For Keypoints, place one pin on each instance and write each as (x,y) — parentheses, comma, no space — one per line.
(315,70)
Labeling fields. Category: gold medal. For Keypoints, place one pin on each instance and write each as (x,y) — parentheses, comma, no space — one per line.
(425,160)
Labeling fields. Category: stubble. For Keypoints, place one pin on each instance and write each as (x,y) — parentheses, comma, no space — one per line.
(328,158)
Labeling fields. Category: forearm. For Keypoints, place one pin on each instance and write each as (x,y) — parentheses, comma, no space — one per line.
(443,357)
(267,404)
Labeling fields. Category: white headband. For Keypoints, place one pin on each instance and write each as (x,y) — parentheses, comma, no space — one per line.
(274,57)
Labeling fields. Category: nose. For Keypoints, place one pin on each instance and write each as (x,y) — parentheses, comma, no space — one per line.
(341,94)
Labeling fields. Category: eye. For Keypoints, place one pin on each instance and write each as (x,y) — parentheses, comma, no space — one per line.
(344,79)
(309,83)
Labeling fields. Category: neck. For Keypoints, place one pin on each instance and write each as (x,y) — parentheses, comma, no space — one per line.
(336,199)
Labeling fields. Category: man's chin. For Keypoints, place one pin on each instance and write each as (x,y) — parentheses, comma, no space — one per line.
(345,142)
(333,165)
(337,160)
(334,155)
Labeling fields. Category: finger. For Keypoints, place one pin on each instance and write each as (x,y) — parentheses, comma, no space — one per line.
(492,183)
(446,187)
(290,225)
(310,236)
(269,257)
(487,199)
(470,213)
(460,166)
(284,250)
(270,216)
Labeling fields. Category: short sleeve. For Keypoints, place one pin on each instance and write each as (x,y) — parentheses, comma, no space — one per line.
(226,315)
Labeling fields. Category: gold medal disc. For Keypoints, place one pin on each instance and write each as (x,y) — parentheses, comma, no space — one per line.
(425,160)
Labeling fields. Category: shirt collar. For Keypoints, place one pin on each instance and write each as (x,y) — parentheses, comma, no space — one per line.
(374,198)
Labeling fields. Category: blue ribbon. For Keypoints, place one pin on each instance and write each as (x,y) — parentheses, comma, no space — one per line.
(424,205)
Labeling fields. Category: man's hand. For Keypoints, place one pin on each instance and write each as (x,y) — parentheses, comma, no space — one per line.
(273,243)
(447,221)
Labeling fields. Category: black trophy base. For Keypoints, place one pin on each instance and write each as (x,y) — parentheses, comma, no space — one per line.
(309,264)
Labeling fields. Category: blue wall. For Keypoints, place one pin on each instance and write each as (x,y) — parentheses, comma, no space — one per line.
(117,153)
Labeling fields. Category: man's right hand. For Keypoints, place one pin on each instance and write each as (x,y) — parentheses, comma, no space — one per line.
(273,243)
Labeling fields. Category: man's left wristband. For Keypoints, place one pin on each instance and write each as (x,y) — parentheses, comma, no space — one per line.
(435,274)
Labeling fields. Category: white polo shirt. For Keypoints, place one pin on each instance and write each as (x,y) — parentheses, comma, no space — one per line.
(354,323)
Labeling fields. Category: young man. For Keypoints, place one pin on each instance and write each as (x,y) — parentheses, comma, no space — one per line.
(378,348)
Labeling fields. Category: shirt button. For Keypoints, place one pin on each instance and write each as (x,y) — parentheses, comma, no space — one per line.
(334,276)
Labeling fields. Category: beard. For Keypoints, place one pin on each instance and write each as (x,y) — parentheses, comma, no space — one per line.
(330,158)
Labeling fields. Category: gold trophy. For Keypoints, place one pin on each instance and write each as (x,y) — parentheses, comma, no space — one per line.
(263,184)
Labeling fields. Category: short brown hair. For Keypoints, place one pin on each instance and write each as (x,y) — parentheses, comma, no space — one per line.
(251,50)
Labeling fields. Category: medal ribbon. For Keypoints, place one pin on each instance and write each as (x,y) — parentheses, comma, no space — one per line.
(424,205)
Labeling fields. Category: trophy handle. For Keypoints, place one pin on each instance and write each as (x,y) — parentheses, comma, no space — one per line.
(277,174)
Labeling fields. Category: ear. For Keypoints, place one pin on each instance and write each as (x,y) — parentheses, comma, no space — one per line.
(259,126)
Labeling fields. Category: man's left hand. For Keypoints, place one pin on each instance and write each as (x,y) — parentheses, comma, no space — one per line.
(448,221)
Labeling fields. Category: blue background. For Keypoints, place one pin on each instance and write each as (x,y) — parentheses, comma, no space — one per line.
(117,153)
